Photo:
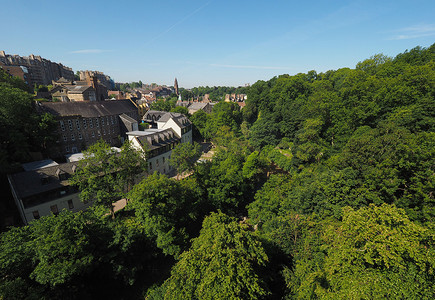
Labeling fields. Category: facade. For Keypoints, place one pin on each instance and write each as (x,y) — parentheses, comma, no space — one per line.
(43,188)
(66,90)
(81,124)
(16,71)
(40,70)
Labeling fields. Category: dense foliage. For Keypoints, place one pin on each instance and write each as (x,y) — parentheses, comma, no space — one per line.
(322,187)
(22,129)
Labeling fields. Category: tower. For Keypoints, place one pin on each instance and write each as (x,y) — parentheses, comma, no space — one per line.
(176,86)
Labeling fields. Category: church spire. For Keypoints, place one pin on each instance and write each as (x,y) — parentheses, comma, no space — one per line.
(176,86)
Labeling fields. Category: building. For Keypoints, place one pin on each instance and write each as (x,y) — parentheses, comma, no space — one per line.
(87,76)
(158,145)
(196,106)
(176,86)
(39,70)
(163,120)
(16,71)
(68,90)
(43,188)
(81,124)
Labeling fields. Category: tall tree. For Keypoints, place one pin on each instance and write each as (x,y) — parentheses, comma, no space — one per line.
(222,263)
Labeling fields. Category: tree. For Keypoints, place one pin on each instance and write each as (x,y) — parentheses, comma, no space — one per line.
(184,156)
(168,210)
(378,253)
(181,109)
(222,263)
(104,176)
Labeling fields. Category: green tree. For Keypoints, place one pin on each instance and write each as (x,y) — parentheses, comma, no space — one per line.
(378,253)
(104,176)
(168,210)
(222,263)
(184,156)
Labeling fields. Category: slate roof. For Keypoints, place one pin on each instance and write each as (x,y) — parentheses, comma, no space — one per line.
(29,183)
(88,109)
(78,89)
(161,137)
(180,119)
(197,106)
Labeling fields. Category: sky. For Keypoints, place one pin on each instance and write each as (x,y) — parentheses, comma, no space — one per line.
(215,42)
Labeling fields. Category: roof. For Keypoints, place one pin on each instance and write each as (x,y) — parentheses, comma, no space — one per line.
(29,183)
(180,119)
(197,106)
(127,118)
(153,115)
(151,139)
(78,89)
(88,109)
(35,165)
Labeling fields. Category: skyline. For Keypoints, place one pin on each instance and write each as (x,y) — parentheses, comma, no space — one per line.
(213,42)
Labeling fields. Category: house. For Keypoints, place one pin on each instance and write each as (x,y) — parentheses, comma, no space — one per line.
(196,106)
(43,188)
(68,90)
(158,145)
(179,123)
(81,124)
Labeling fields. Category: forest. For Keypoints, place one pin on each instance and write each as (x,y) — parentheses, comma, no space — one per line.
(321,187)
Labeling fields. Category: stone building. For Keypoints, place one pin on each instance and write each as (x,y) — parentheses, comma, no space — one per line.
(40,70)
(81,124)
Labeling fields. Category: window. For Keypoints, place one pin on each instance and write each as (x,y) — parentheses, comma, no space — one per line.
(99,134)
(91,124)
(70,204)
(85,124)
(54,209)
(74,150)
(102,121)
(73,138)
(35,215)
(78,124)
(151,165)
(107,120)
(70,124)
(62,125)
(67,149)
(64,137)
(97,124)
(93,134)
(157,162)
(104,131)
(111,119)
(80,136)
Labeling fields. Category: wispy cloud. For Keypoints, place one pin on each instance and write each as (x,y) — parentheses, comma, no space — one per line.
(248,67)
(87,51)
(414,32)
(180,21)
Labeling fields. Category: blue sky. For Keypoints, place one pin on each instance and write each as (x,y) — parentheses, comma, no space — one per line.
(215,42)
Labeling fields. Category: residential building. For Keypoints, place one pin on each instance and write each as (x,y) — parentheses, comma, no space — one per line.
(39,70)
(158,145)
(196,106)
(164,120)
(81,124)
(101,77)
(43,188)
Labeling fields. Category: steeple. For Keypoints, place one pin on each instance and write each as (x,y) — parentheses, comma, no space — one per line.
(176,86)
